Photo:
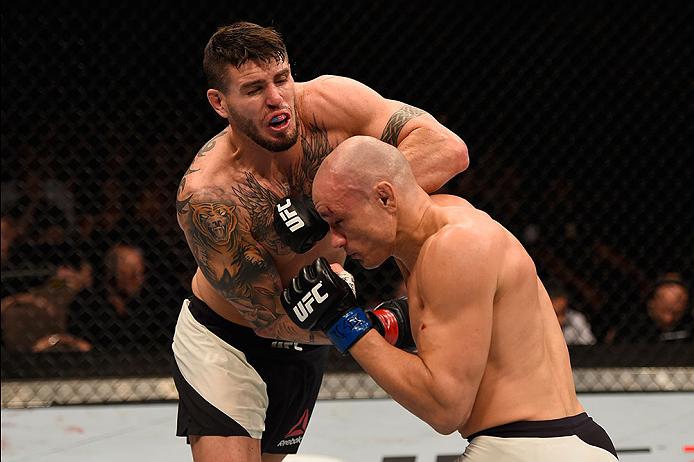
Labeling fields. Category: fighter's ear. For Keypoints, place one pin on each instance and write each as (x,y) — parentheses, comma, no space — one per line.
(385,194)
(218,102)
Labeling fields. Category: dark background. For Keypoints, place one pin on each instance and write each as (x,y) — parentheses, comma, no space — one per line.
(578,122)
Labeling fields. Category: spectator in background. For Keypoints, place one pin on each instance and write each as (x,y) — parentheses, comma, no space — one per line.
(39,210)
(36,320)
(148,224)
(33,192)
(574,324)
(40,278)
(106,314)
(121,312)
(559,236)
(664,316)
(104,226)
(8,236)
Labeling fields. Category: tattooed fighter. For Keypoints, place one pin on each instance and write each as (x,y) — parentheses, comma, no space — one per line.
(246,375)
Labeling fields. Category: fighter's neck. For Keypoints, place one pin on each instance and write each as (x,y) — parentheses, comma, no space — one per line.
(415,226)
(245,154)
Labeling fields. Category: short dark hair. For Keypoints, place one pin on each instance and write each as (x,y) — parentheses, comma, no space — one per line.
(237,43)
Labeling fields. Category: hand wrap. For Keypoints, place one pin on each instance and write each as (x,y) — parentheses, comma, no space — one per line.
(392,320)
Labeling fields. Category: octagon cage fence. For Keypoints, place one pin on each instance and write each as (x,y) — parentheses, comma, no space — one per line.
(578,121)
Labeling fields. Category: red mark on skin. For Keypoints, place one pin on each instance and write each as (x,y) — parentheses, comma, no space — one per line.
(74,429)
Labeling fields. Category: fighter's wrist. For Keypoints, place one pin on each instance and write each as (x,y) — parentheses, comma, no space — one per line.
(351,326)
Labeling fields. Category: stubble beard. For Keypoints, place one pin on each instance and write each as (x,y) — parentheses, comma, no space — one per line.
(248,128)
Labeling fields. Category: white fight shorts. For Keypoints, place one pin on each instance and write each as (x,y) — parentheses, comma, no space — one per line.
(571,439)
(231,382)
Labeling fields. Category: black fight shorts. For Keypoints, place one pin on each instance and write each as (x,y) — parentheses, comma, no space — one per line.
(231,382)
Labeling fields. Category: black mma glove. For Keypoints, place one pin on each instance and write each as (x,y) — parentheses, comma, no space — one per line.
(392,320)
(298,224)
(318,299)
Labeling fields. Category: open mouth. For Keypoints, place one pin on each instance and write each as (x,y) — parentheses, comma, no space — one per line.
(279,121)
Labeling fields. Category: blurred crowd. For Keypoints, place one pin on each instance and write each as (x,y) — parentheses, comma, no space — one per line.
(95,260)
(601,289)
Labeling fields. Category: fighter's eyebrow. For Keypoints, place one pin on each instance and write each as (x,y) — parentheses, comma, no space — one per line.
(260,82)
(325,212)
(252,83)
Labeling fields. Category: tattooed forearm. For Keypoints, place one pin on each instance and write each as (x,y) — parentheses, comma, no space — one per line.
(398,120)
(283,328)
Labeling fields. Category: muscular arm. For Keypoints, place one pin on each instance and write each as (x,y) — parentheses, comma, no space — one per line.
(435,153)
(235,265)
(440,383)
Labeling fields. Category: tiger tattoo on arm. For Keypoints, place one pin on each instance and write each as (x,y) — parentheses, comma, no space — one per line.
(236,266)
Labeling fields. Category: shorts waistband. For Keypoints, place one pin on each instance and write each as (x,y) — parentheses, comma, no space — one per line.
(565,426)
(242,337)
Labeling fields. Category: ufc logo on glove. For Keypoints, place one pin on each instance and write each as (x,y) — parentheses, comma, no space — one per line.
(290,217)
(298,224)
(304,308)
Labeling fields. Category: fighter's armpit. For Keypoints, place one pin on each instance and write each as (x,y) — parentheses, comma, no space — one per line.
(393,127)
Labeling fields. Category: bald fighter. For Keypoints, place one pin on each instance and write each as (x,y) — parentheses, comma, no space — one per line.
(491,361)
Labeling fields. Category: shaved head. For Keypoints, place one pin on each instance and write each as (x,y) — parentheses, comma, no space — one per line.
(360,162)
(360,190)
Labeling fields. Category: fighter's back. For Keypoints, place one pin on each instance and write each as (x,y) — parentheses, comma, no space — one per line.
(528,373)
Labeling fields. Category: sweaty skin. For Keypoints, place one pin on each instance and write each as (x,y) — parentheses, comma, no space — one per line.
(226,197)
(489,347)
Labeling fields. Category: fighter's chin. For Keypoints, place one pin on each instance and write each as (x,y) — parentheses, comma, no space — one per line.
(280,146)
(369,264)
(282,143)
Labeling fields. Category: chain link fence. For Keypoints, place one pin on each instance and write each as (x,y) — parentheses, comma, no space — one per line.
(578,120)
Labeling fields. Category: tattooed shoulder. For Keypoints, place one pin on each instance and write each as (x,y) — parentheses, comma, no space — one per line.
(393,127)
(182,196)
(224,250)
(237,266)
(210,144)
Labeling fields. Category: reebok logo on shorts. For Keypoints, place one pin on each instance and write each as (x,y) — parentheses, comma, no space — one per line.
(300,427)
(296,433)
